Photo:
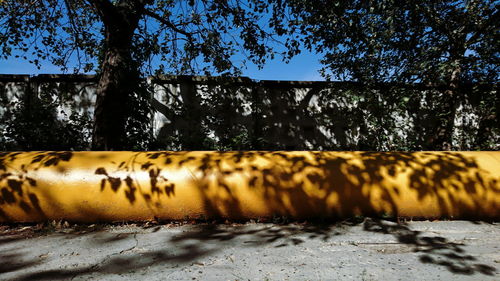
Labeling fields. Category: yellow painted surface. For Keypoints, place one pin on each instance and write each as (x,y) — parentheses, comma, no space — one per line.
(117,186)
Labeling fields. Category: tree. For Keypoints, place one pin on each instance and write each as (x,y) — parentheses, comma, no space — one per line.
(445,44)
(120,39)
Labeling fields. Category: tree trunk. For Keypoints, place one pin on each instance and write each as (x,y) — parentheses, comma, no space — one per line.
(110,115)
(118,79)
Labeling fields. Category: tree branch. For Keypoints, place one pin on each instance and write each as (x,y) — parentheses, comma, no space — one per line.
(436,20)
(489,23)
(75,35)
(167,23)
(104,8)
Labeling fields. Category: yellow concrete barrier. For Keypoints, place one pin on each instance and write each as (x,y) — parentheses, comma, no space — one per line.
(117,186)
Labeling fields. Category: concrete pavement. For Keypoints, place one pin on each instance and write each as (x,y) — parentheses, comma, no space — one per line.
(367,250)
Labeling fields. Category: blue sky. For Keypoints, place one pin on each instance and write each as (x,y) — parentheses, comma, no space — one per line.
(303,67)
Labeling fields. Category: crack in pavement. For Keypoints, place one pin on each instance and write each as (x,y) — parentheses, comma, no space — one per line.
(121,252)
(108,257)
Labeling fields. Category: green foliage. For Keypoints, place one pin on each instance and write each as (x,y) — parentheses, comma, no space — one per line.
(186,37)
(448,44)
(345,116)
(125,40)
(138,125)
(38,123)
(403,41)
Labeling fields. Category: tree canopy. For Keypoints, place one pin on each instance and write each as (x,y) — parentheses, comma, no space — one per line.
(181,37)
(121,40)
(443,44)
(403,41)
(435,43)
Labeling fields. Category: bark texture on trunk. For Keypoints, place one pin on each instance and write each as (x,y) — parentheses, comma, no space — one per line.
(111,103)
(119,75)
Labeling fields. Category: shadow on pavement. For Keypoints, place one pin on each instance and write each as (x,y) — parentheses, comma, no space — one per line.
(435,250)
(190,246)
